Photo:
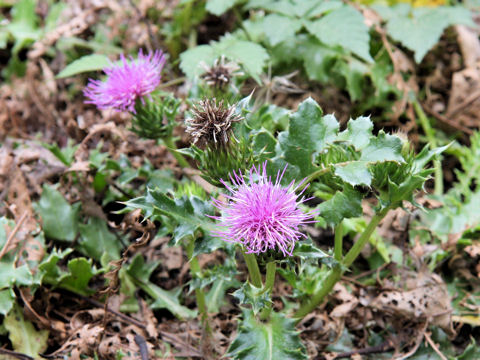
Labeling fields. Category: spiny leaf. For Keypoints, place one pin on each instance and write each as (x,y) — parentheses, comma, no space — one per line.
(354,173)
(344,204)
(384,147)
(189,212)
(358,132)
(272,340)
(308,134)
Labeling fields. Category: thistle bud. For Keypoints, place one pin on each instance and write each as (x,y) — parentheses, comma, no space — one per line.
(155,118)
(215,148)
(211,124)
(221,73)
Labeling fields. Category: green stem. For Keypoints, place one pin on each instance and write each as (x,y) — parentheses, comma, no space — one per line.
(430,133)
(253,269)
(337,272)
(338,252)
(168,141)
(197,272)
(269,282)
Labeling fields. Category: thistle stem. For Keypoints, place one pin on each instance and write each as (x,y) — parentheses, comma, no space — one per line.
(168,141)
(430,133)
(269,282)
(253,270)
(337,272)
(338,252)
(197,271)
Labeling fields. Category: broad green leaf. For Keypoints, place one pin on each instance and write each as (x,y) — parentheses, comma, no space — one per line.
(344,27)
(218,7)
(344,204)
(272,340)
(279,28)
(84,64)
(420,28)
(307,135)
(354,173)
(96,240)
(319,60)
(384,147)
(25,339)
(58,216)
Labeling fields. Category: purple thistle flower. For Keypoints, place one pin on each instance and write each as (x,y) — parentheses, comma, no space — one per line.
(126,82)
(261,214)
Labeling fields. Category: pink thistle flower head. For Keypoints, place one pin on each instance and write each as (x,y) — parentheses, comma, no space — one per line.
(126,82)
(261,214)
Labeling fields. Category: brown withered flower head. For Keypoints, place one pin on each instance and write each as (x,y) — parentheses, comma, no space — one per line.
(211,123)
(221,73)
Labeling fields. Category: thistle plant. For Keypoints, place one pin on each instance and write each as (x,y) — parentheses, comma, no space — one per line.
(262,210)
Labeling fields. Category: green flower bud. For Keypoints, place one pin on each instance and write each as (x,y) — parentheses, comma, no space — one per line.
(155,118)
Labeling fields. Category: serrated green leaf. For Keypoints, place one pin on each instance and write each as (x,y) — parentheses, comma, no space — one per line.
(96,240)
(358,132)
(420,28)
(275,339)
(189,212)
(59,218)
(344,204)
(384,147)
(252,296)
(25,339)
(354,173)
(192,59)
(11,275)
(218,7)
(279,28)
(307,135)
(250,55)
(84,64)
(344,27)
(80,271)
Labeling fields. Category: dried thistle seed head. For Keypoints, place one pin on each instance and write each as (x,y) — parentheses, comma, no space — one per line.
(221,73)
(211,123)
